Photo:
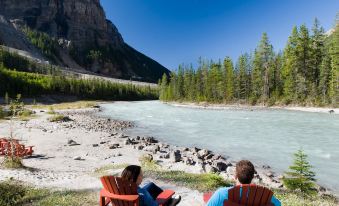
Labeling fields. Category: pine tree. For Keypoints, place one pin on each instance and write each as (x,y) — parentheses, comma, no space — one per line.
(303,64)
(163,88)
(300,177)
(334,74)
(289,70)
(242,79)
(317,52)
(324,78)
(229,79)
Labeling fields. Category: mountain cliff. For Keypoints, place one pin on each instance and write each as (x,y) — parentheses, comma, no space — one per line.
(76,34)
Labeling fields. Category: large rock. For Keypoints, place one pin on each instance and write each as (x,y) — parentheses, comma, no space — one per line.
(210,169)
(203,153)
(175,156)
(152,148)
(221,165)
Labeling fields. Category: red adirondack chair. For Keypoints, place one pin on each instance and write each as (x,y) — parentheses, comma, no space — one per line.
(20,149)
(256,196)
(124,193)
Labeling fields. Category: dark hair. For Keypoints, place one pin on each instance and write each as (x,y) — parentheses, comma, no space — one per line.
(245,171)
(131,173)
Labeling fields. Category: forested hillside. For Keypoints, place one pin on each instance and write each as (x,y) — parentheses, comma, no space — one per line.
(306,72)
(18,75)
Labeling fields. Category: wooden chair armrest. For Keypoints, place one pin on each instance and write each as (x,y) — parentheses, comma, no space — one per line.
(165,196)
(130,198)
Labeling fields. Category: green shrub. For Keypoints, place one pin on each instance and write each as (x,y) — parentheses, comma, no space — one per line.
(12,163)
(51,110)
(300,177)
(10,193)
(2,113)
(59,118)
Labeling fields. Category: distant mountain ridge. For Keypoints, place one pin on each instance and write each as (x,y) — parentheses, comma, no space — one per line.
(80,35)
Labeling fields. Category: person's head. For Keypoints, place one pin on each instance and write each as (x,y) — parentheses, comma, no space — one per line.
(132,173)
(244,171)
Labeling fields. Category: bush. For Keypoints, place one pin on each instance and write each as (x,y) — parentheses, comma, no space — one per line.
(59,118)
(12,163)
(2,113)
(51,110)
(10,193)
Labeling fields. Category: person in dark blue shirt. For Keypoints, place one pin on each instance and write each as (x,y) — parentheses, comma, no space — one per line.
(244,175)
(150,191)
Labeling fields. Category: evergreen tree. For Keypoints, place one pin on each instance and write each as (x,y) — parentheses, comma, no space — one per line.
(289,70)
(317,52)
(163,88)
(324,78)
(229,79)
(303,64)
(334,74)
(260,77)
(242,79)
(300,177)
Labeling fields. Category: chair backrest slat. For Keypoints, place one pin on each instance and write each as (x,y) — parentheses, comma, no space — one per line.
(266,196)
(258,195)
(123,189)
(249,195)
(118,186)
(236,194)
(244,195)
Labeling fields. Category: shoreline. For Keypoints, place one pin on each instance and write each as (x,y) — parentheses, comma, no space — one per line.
(100,141)
(204,105)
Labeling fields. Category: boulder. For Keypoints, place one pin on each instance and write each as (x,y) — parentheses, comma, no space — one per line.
(189,161)
(175,156)
(151,140)
(128,141)
(152,148)
(114,146)
(140,147)
(203,153)
(220,165)
(164,155)
(72,143)
(210,169)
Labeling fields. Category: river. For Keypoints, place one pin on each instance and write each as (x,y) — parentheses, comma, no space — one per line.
(264,136)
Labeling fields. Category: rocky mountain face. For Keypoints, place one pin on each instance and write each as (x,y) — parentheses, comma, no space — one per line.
(84,36)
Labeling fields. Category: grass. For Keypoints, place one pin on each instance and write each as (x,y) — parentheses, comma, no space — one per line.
(67,105)
(12,163)
(201,182)
(210,182)
(59,118)
(16,193)
(51,110)
(296,199)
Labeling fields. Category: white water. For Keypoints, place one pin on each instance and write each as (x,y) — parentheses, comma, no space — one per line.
(265,136)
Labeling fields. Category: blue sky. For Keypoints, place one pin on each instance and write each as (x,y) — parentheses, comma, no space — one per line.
(180,31)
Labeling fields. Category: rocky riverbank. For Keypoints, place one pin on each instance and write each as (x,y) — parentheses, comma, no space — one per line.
(170,157)
(70,151)
(204,105)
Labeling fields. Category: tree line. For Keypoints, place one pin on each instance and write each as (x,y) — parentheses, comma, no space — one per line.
(306,72)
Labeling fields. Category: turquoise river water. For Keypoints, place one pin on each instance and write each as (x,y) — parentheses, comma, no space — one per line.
(265,136)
